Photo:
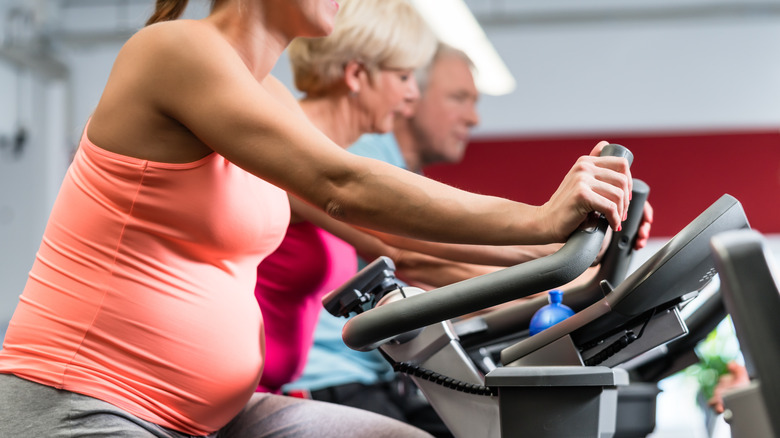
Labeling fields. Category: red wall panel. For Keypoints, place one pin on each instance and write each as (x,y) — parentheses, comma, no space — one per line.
(686,172)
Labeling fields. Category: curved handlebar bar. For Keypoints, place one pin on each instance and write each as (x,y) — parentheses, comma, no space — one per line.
(370,329)
(613,268)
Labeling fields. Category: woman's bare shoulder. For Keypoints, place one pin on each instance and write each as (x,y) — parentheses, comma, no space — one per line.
(177,37)
(167,55)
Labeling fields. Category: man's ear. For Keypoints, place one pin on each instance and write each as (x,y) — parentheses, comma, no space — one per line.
(354,73)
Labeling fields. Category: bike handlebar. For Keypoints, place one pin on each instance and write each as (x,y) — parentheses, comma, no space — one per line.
(370,329)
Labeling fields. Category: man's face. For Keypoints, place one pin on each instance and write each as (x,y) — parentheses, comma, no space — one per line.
(446,112)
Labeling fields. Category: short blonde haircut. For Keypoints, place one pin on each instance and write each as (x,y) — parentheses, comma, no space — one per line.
(376,33)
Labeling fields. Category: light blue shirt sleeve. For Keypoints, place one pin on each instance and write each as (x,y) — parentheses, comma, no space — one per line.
(383,147)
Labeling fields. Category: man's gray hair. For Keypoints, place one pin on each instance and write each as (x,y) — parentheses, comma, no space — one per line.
(443,50)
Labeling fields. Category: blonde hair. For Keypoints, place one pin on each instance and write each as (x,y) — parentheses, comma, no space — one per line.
(376,33)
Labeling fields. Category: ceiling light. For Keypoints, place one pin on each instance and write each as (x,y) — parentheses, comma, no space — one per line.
(454,24)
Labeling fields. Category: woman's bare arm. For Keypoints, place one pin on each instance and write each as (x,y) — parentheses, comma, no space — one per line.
(197,79)
(430,272)
(462,253)
(505,255)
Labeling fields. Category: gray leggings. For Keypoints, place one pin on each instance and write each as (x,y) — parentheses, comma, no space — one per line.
(28,409)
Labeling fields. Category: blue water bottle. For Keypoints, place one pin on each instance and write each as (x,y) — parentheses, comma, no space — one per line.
(550,314)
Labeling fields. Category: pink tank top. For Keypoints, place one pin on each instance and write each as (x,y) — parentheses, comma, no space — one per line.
(291,282)
(141,292)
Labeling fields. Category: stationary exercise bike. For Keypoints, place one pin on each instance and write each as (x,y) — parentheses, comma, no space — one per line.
(560,382)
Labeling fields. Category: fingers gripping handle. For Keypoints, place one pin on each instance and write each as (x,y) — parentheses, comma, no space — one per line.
(616,150)
(370,329)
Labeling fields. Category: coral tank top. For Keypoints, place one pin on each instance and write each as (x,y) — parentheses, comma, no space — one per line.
(141,293)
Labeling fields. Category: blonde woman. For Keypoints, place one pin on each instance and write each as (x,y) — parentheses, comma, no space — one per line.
(355,81)
(137,318)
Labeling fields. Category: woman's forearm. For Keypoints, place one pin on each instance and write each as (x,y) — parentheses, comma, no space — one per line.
(426,271)
(372,244)
(476,254)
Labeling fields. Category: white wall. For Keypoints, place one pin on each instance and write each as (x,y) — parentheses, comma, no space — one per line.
(599,71)
(35,101)
(700,73)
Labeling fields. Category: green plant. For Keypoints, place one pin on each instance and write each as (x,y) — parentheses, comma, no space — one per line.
(715,352)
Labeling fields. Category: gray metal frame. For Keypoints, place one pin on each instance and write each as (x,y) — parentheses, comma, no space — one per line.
(751,293)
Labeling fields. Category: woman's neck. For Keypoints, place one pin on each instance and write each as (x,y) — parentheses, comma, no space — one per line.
(336,117)
(258,42)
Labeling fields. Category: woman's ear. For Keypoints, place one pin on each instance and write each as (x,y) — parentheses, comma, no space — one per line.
(354,76)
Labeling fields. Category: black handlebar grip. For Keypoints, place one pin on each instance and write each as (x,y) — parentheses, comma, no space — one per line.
(368,330)
(616,150)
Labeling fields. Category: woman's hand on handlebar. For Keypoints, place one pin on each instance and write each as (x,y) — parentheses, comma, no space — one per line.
(642,235)
(644,228)
(594,183)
